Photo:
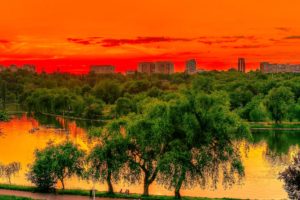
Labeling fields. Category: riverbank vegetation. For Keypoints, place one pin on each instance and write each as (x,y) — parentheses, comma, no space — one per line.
(253,96)
(3,116)
(183,141)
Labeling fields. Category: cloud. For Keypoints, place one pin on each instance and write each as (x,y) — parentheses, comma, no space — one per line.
(246,46)
(2,41)
(224,39)
(283,29)
(141,40)
(81,41)
(110,42)
(119,42)
(292,37)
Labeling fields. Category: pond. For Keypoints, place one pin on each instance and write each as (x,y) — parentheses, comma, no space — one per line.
(264,157)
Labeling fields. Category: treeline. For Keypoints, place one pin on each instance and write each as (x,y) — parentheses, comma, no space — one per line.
(253,96)
(185,139)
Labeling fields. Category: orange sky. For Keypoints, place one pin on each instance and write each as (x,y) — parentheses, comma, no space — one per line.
(70,35)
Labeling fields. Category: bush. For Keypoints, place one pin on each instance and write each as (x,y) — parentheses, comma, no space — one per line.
(291,178)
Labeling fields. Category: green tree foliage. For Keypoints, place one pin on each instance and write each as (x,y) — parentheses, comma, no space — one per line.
(240,97)
(134,87)
(108,157)
(124,106)
(4,116)
(255,110)
(3,94)
(93,111)
(55,163)
(179,141)
(206,84)
(278,102)
(200,147)
(108,90)
(146,134)
(63,101)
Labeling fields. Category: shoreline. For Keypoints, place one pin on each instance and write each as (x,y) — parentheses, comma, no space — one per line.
(30,190)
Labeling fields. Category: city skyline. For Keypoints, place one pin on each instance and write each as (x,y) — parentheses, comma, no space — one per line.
(74,35)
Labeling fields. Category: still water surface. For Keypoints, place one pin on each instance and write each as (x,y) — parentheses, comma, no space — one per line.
(267,155)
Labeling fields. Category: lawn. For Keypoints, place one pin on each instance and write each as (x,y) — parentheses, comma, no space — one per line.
(5,197)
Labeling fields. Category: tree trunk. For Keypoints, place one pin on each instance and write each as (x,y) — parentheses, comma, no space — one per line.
(179,184)
(62,183)
(146,189)
(109,184)
(146,184)
(148,180)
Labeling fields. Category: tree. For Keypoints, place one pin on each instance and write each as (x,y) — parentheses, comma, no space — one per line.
(40,172)
(69,161)
(124,106)
(255,110)
(108,90)
(202,145)
(56,163)
(4,116)
(10,170)
(108,157)
(278,102)
(240,97)
(291,178)
(201,83)
(147,135)
(93,111)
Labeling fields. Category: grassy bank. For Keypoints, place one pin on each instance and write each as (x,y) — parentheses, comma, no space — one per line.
(104,194)
(272,125)
(5,197)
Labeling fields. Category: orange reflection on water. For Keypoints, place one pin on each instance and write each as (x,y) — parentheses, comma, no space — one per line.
(17,144)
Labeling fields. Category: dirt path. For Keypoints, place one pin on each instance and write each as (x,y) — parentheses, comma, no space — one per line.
(48,196)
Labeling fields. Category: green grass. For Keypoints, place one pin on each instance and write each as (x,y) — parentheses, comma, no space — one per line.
(273,125)
(5,197)
(104,194)
(17,187)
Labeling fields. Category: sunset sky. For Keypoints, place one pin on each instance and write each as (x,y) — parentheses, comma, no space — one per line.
(70,35)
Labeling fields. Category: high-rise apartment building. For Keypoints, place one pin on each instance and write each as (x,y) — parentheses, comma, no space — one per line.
(266,67)
(241,65)
(191,66)
(161,67)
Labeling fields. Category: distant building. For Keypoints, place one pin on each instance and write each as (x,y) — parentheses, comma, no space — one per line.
(146,67)
(266,67)
(164,67)
(191,66)
(29,68)
(102,69)
(13,68)
(2,68)
(130,72)
(161,67)
(241,65)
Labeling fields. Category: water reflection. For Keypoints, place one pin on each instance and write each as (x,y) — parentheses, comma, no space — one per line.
(264,157)
(281,145)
